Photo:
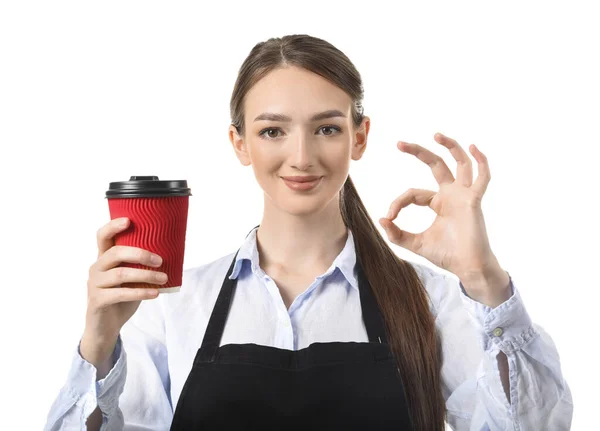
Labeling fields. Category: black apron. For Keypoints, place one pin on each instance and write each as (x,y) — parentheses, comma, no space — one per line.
(335,385)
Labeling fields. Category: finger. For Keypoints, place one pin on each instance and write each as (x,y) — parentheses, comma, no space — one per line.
(106,233)
(483,171)
(115,295)
(408,240)
(411,196)
(124,253)
(464,170)
(440,169)
(124,274)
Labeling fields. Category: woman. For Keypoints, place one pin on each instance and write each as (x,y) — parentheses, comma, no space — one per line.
(315,323)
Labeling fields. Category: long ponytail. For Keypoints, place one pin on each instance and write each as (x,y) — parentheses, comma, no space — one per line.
(404,304)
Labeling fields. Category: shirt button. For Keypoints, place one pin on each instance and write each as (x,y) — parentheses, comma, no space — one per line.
(497,332)
(286,323)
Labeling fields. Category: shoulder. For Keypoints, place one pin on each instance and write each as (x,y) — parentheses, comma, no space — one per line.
(200,284)
(214,270)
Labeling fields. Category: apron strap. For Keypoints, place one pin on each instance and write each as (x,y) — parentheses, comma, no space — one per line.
(218,317)
(371,313)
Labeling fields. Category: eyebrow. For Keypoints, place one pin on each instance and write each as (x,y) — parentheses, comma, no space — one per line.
(270,116)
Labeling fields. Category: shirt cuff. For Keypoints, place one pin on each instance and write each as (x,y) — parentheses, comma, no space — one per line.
(103,393)
(110,388)
(507,326)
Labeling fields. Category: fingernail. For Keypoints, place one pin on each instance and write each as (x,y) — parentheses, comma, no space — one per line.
(155,259)
(123,221)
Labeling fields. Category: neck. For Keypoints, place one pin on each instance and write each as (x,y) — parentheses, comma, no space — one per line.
(300,244)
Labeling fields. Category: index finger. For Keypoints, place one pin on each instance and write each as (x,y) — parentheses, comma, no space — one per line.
(106,233)
(441,172)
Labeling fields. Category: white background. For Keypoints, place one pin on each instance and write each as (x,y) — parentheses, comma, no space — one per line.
(94,92)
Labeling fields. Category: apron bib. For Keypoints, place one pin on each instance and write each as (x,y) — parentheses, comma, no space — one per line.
(333,386)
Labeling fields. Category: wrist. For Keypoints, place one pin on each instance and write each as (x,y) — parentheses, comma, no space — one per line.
(98,351)
(490,286)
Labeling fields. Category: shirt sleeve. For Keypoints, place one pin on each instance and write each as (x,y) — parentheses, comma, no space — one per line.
(135,394)
(472,335)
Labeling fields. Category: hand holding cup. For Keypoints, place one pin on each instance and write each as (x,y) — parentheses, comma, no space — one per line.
(109,305)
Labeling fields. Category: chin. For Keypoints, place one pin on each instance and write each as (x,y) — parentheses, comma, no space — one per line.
(303,205)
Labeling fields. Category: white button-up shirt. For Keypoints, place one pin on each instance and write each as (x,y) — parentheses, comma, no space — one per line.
(157,346)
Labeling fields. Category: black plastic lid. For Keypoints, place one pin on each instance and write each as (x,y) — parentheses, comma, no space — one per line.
(147,187)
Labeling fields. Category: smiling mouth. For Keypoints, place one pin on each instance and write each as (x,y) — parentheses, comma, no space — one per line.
(302,185)
(302,178)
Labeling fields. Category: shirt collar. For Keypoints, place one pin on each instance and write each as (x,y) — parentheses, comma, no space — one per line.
(345,260)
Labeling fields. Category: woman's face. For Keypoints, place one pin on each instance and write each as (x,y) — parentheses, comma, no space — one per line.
(296,144)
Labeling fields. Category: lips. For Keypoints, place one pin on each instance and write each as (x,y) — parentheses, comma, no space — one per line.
(302,179)
(302,183)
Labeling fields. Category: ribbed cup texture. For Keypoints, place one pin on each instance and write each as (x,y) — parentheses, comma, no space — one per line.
(156,224)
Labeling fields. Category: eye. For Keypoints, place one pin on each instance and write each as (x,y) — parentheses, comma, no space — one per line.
(336,128)
(266,131)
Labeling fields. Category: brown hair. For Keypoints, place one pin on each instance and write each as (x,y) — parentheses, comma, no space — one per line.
(400,293)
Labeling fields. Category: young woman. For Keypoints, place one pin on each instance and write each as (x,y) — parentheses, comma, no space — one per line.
(314,322)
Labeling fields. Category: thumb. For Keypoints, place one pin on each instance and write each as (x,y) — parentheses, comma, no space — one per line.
(398,236)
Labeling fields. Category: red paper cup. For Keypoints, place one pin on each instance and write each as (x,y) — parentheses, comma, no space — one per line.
(157,211)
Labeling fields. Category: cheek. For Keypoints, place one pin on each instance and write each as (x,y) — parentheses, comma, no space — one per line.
(337,160)
(266,167)
(262,159)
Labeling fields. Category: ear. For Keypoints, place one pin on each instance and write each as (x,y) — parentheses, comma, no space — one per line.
(239,146)
(360,144)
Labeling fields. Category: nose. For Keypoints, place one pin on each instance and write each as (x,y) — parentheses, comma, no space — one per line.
(302,152)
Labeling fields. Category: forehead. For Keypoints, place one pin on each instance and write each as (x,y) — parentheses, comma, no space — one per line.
(296,92)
